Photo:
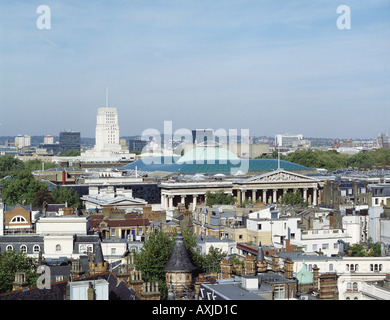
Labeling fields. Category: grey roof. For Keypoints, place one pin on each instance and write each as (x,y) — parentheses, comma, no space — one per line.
(179,259)
(232,291)
(27,207)
(299,256)
(260,253)
(98,253)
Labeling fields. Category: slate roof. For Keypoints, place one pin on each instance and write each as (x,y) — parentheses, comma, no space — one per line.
(117,291)
(179,260)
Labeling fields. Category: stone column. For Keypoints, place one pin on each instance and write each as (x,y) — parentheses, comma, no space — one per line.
(194,201)
(274,200)
(315,196)
(264,195)
(164,201)
(305,194)
(183,199)
(170,205)
(254,195)
(243,196)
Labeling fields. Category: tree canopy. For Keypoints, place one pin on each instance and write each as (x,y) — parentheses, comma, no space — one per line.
(20,188)
(12,262)
(333,160)
(293,198)
(70,153)
(219,198)
(154,256)
(10,165)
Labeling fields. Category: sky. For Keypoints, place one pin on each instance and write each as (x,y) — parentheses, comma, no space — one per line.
(263,65)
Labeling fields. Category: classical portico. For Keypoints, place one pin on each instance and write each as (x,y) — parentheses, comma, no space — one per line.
(190,193)
(267,188)
(270,187)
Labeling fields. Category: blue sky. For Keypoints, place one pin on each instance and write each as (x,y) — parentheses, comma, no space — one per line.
(267,66)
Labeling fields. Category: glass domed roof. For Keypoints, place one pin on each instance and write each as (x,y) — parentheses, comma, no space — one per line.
(209,155)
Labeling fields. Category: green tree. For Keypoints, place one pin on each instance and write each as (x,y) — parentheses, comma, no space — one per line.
(12,262)
(153,257)
(62,195)
(9,164)
(219,198)
(293,198)
(36,164)
(70,153)
(21,188)
(211,262)
(42,196)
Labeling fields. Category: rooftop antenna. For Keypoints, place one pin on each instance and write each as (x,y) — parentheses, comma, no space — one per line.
(106,97)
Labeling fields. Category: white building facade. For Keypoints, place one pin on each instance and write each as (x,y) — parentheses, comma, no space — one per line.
(107,143)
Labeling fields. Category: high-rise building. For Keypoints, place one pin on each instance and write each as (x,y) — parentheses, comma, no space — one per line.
(70,140)
(137,144)
(205,136)
(288,140)
(107,143)
(48,140)
(22,141)
(107,130)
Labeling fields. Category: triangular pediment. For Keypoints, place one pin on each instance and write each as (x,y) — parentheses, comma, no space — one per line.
(280,176)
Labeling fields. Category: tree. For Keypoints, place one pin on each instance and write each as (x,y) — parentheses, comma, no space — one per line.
(42,196)
(219,198)
(20,188)
(211,262)
(70,153)
(293,198)
(9,164)
(153,257)
(12,262)
(62,195)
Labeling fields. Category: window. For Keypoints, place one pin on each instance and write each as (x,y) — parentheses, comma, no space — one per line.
(355,286)
(259,226)
(23,248)
(330,267)
(325,246)
(18,219)
(36,248)
(113,251)
(58,248)
(315,247)
(9,248)
(278,292)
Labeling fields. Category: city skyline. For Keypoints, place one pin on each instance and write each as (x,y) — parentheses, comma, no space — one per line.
(264,66)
